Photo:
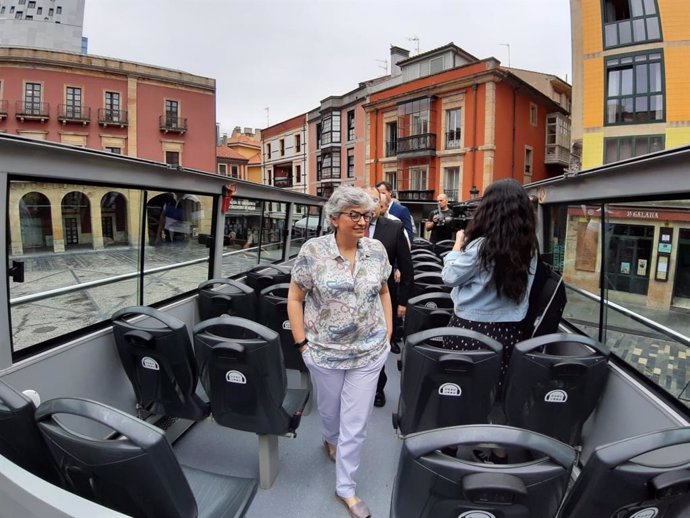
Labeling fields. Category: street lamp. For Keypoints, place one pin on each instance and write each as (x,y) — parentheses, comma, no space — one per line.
(474,193)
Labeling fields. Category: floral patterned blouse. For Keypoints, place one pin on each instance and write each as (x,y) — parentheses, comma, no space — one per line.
(344,320)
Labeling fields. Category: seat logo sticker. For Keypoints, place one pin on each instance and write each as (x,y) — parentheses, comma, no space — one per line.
(450,389)
(286,325)
(149,363)
(556,396)
(476,514)
(650,512)
(235,377)
(431,305)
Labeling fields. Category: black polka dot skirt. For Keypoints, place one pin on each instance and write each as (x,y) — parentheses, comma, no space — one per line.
(507,333)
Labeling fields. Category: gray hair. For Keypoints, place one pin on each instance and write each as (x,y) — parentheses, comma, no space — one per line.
(347,196)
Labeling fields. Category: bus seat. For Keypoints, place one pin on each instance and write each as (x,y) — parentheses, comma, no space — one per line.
(134,471)
(421,254)
(273,311)
(265,275)
(430,483)
(157,356)
(233,298)
(20,440)
(553,384)
(441,387)
(426,311)
(444,246)
(646,476)
(419,243)
(428,282)
(426,266)
(246,381)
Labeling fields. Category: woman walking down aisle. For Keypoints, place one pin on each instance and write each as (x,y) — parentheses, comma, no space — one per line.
(343,330)
(491,269)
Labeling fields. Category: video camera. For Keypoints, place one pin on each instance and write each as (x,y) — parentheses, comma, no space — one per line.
(461,215)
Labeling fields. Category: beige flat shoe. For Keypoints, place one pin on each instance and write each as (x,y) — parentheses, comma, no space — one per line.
(357,510)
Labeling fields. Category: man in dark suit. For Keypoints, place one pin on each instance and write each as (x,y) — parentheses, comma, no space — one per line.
(398,209)
(392,236)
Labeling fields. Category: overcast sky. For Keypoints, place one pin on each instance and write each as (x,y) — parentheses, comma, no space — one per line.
(287,55)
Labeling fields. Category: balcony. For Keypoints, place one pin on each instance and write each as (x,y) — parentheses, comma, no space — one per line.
(391,147)
(3,109)
(32,111)
(282,182)
(74,114)
(423,144)
(556,154)
(173,124)
(426,195)
(108,117)
(453,139)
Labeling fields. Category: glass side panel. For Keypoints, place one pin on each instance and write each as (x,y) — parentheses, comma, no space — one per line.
(68,235)
(242,224)
(272,235)
(174,223)
(640,251)
(306,222)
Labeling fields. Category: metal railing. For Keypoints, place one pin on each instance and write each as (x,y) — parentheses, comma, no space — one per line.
(107,116)
(415,143)
(73,113)
(174,124)
(32,109)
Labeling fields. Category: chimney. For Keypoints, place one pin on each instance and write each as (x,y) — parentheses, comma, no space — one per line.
(236,131)
(248,132)
(225,139)
(397,54)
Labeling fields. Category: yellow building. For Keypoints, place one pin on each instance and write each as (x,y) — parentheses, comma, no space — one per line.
(630,77)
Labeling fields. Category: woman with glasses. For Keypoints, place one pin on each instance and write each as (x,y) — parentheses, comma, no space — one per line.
(341,319)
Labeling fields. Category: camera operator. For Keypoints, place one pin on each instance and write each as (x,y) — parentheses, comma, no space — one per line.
(437,220)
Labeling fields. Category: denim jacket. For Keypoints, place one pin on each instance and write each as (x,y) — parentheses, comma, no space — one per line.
(473,296)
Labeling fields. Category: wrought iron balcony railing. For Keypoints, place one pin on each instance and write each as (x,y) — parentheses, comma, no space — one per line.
(282,182)
(416,195)
(3,109)
(423,142)
(32,110)
(71,113)
(110,117)
(173,124)
(453,139)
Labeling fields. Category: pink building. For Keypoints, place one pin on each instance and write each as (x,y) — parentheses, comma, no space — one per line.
(105,103)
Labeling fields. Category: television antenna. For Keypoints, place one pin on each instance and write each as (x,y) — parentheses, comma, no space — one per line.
(382,64)
(415,38)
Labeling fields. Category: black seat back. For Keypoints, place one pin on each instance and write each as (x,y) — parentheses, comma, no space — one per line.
(428,282)
(427,311)
(443,246)
(422,254)
(441,387)
(427,266)
(421,243)
(273,311)
(134,472)
(158,359)
(647,476)
(266,275)
(234,298)
(430,484)
(245,377)
(554,383)
(20,440)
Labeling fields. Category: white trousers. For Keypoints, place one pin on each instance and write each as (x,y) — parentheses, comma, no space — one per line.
(345,399)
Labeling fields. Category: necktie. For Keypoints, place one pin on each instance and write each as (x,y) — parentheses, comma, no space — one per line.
(366,231)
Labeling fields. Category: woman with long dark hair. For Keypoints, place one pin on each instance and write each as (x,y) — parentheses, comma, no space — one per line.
(491,268)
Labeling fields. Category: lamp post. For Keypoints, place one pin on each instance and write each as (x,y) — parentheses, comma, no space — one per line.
(474,193)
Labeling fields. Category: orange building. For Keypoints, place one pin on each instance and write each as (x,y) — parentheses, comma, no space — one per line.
(105,103)
(284,154)
(455,124)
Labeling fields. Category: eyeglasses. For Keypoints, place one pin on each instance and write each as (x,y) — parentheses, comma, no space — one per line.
(356,216)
